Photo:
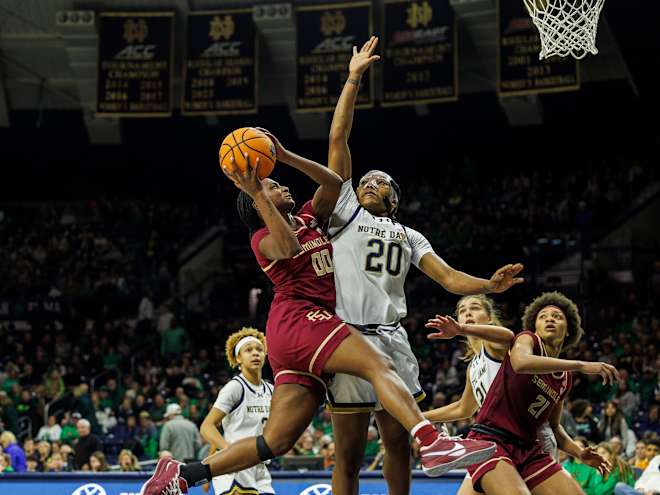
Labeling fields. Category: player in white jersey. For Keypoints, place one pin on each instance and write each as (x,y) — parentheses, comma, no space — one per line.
(373,253)
(488,343)
(242,407)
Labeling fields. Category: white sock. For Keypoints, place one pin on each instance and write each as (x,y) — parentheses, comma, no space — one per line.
(418,426)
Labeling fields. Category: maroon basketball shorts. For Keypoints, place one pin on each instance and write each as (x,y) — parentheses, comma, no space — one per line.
(301,337)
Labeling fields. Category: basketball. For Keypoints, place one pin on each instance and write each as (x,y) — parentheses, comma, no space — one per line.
(253,142)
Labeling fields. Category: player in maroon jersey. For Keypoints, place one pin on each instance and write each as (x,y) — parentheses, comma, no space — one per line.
(529,390)
(307,342)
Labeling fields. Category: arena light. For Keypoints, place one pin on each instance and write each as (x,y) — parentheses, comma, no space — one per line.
(75,18)
(272,12)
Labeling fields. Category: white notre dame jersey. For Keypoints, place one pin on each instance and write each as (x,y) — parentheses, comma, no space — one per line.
(246,407)
(483,369)
(372,256)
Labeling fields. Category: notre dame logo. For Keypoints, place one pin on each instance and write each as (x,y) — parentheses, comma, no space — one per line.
(419,14)
(135,31)
(333,23)
(222,27)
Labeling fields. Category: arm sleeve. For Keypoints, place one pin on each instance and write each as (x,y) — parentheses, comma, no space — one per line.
(347,205)
(419,244)
(229,397)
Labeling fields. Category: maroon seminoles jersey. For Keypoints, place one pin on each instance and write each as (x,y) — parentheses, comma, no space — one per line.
(309,275)
(521,403)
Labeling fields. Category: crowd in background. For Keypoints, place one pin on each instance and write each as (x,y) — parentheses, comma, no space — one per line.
(100,352)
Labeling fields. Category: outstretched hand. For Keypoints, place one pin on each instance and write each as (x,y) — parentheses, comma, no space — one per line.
(447,327)
(247,181)
(505,278)
(608,372)
(590,457)
(362,59)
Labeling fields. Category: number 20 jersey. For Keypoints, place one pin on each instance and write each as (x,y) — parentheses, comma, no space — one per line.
(372,256)
(520,403)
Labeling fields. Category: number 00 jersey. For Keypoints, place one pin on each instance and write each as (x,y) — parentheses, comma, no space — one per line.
(372,256)
(483,370)
(521,403)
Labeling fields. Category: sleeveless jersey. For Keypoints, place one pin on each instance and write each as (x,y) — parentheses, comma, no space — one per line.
(521,403)
(246,407)
(372,257)
(310,274)
(483,370)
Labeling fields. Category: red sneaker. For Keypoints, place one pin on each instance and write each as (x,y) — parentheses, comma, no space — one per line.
(165,480)
(448,453)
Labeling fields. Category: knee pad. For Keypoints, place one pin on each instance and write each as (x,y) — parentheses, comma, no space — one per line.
(263,450)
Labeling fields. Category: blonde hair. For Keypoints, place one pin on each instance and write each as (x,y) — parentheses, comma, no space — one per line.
(134,460)
(6,438)
(618,464)
(493,312)
(236,337)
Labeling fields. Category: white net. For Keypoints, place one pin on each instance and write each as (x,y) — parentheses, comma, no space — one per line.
(566,27)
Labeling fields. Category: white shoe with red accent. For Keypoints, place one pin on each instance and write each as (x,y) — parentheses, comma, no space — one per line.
(165,480)
(448,453)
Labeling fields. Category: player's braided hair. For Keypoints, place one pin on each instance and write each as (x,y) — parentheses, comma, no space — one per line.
(492,310)
(235,338)
(248,213)
(574,329)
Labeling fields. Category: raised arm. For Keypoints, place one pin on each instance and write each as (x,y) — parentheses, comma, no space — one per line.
(339,155)
(281,243)
(463,408)
(449,328)
(524,361)
(329,182)
(461,283)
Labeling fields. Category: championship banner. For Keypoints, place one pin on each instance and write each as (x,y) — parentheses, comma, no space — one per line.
(421,52)
(135,64)
(326,35)
(519,69)
(220,67)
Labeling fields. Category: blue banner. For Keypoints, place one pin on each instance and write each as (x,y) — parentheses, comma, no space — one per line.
(284,483)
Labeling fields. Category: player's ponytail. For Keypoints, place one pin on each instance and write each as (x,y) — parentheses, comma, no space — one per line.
(248,213)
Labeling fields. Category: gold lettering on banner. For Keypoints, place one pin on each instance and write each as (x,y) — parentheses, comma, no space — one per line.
(135,31)
(222,27)
(419,15)
(333,23)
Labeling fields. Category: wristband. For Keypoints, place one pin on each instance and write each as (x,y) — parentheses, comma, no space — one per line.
(353,81)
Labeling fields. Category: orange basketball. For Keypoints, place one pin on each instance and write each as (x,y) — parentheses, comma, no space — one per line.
(253,142)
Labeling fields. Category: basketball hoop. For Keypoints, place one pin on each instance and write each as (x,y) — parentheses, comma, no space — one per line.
(566,27)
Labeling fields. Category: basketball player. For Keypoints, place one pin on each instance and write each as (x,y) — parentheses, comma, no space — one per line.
(488,343)
(529,390)
(373,254)
(307,342)
(242,407)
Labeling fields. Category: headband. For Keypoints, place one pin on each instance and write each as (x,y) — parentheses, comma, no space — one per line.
(244,341)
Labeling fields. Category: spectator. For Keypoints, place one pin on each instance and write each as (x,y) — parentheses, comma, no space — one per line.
(648,483)
(54,385)
(174,341)
(97,462)
(29,447)
(5,463)
(627,399)
(51,431)
(639,460)
(585,423)
(86,444)
(148,435)
(66,451)
(70,428)
(56,463)
(621,473)
(650,425)
(372,447)
(43,452)
(128,461)
(13,450)
(328,453)
(179,435)
(32,464)
(614,423)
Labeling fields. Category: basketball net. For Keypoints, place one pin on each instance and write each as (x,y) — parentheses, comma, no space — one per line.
(566,27)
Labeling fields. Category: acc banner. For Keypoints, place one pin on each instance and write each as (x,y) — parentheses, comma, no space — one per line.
(135,64)
(519,69)
(220,65)
(420,63)
(326,35)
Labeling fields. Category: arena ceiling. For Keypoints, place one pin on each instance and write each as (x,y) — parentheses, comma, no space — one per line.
(47,64)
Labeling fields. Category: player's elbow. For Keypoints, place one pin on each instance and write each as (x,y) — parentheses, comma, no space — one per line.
(338,135)
(518,364)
